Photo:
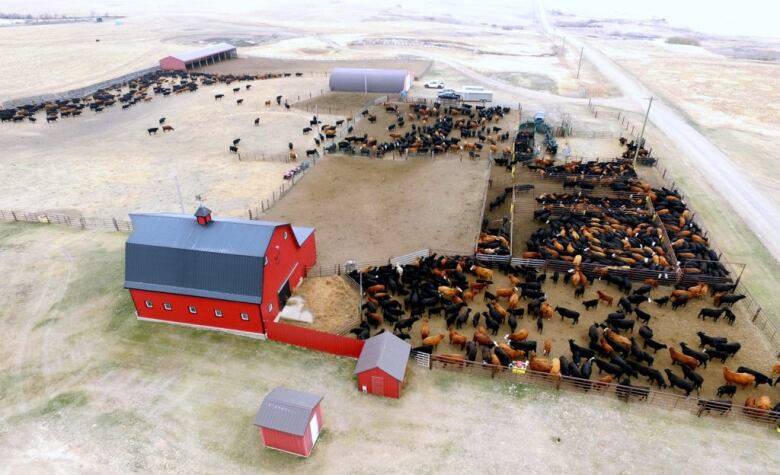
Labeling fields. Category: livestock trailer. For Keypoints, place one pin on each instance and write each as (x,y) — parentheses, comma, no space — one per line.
(475,94)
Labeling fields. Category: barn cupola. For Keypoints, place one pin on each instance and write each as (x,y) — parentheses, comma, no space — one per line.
(203,215)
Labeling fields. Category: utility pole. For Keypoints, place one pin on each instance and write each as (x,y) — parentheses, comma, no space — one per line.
(178,193)
(579,65)
(642,132)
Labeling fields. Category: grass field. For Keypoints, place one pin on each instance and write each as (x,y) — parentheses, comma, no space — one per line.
(85,387)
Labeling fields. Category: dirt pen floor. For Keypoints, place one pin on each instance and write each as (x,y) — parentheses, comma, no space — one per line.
(107,164)
(374,209)
(346,103)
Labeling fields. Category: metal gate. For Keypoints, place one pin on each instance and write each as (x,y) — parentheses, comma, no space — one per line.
(422,359)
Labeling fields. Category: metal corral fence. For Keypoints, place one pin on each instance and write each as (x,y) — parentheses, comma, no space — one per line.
(81,92)
(110,224)
(284,188)
(645,395)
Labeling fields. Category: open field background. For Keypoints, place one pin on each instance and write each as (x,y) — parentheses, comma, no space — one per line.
(85,387)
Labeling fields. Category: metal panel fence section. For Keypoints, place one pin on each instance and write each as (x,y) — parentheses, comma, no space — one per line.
(649,396)
(314,339)
(109,224)
(276,195)
(81,92)
(409,258)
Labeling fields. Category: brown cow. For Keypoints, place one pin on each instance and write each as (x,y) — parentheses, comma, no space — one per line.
(519,335)
(425,329)
(742,379)
(433,340)
(683,359)
(457,339)
(167,128)
(604,297)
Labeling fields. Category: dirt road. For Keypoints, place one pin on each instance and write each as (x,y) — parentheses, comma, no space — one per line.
(699,153)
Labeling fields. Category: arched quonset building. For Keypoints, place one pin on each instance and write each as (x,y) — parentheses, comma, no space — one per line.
(388,81)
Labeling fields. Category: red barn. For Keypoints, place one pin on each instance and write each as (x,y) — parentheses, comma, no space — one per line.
(226,274)
(381,367)
(290,421)
(199,57)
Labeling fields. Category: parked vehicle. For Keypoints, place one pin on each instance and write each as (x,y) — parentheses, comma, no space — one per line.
(434,85)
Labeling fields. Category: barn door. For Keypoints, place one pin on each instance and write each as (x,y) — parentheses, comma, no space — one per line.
(284,294)
(314,427)
(378,385)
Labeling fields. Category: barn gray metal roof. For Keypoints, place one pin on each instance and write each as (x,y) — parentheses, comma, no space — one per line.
(369,80)
(287,410)
(222,260)
(203,52)
(386,352)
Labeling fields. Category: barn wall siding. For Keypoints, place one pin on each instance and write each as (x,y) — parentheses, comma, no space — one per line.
(283,441)
(283,255)
(314,339)
(392,387)
(170,62)
(179,313)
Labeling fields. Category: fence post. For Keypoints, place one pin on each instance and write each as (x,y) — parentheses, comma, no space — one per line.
(756,315)
(83,222)
(14,215)
(116,225)
(250,213)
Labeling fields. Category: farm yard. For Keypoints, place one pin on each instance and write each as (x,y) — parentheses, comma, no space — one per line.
(107,164)
(109,393)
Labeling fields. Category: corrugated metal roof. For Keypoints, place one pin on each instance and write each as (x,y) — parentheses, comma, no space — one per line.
(222,260)
(203,52)
(369,80)
(386,352)
(302,234)
(287,410)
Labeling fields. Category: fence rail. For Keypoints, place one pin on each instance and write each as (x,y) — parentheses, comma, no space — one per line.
(82,222)
(645,395)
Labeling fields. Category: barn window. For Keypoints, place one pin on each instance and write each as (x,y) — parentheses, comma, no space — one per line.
(285,234)
(167,306)
(218,313)
(270,307)
(149,304)
(245,317)
(193,310)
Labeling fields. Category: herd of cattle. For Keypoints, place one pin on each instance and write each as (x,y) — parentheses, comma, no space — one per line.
(430,130)
(407,298)
(126,95)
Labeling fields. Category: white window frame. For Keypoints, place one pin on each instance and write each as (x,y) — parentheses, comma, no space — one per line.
(244,316)
(193,309)
(149,304)
(218,313)
(168,307)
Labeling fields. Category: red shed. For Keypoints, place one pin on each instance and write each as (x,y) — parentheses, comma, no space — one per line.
(199,57)
(381,367)
(225,274)
(290,421)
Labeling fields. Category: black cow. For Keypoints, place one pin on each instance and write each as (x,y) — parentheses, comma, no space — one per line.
(527,346)
(621,324)
(642,315)
(730,317)
(152,130)
(761,378)
(655,345)
(306,130)
(730,348)
(681,301)
(706,340)
(657,377)
(589,304)
(605,366)
(701,357)
(625,390)
(678,382)
(312,152)
(645,332)
(579,351)
(471,351)
(218,96)
(570,314)
(730,299)
(716,355)
(713,313)
(662,301)
(693,377)
(727,390)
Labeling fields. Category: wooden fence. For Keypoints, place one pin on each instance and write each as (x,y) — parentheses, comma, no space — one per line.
(109,224)
(314,339)
(661,399)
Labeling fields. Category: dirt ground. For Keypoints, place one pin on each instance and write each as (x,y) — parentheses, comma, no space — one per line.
(110,394)
(107,165)
(346,103)
(331,301)
(371,208)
